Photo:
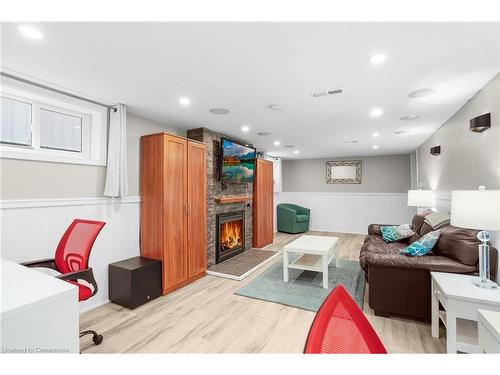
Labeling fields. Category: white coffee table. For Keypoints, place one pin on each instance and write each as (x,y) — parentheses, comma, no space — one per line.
(489,331)
(317,252)
(461,300)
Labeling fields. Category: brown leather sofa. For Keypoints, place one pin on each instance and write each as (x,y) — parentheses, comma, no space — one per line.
(401,285)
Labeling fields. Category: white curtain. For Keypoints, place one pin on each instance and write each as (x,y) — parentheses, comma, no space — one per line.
(116,171)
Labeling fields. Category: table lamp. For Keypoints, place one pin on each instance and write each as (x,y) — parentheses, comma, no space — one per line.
(420,198)
(478,209)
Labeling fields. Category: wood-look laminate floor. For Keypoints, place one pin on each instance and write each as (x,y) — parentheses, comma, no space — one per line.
(207,317)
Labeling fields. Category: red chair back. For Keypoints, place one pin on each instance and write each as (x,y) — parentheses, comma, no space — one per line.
(341,327)
(73,250)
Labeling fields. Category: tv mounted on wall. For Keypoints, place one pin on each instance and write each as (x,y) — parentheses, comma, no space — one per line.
(238,161)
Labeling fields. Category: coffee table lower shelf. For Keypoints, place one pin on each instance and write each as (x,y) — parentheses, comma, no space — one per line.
(467,340)
(309,262)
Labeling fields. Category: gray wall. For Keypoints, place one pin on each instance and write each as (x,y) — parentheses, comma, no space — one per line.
(380,174)
(136,127)
(26,179)
(467,159)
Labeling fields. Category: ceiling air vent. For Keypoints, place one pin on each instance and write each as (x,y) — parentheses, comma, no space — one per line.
(319,94)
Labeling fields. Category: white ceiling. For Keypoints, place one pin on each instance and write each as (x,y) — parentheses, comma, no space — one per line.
(246,66)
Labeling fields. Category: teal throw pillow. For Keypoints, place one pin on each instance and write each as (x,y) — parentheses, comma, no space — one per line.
(392,233)
(424,245)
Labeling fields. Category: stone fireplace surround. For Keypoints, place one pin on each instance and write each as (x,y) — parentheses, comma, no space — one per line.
(215,189)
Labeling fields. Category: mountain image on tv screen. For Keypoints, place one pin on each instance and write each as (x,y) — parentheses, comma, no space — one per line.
(238,162)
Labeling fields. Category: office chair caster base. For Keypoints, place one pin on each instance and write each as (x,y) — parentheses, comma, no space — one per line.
(97,339)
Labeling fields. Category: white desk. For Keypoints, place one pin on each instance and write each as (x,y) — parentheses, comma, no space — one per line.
(461,300)
(318,251)
(489,331)
(39,313)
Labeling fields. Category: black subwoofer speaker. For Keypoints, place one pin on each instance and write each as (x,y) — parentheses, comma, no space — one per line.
(134,281)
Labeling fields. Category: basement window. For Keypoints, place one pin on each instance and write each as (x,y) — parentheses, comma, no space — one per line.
(15,122)
(36,125)
(61,131)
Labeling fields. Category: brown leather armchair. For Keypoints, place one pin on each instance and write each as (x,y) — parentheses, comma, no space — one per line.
(401,285)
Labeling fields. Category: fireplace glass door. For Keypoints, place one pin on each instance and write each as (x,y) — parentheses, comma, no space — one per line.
(230,235)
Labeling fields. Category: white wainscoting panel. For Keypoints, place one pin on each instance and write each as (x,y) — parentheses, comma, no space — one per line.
(442,201)
(31,230)
(351,212)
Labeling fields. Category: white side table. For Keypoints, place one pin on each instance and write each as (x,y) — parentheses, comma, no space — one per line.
(317,252)
(461,300)
(489,331)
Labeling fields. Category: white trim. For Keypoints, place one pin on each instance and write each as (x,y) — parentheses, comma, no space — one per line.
(344,193)
(241,277)
(19,154)
(33,203)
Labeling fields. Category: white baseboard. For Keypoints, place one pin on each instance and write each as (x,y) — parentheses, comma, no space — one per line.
(62,202)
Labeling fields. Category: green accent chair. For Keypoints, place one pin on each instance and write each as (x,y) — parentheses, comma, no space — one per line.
(293,218)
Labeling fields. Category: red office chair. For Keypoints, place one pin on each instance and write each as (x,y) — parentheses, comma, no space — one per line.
(341,327)
(72,258)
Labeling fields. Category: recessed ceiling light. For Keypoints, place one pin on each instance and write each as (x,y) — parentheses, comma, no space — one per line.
(277,143)
(289,146)
(264,134)
(421,92)
(409,117)
(376,134)
(375,147)
(219,111)
(376,112)
(184,101)
(245,128)
(296,151)
(275,107)
(30,32)
(378,59)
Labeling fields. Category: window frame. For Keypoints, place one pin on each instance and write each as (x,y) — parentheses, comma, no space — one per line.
(16,99)
(86,123)
(94,129)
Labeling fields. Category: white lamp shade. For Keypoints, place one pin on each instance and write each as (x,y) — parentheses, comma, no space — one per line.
(420,198)
(476,209)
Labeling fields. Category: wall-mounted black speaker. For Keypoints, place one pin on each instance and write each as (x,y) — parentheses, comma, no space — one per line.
(480,123)
(436,150)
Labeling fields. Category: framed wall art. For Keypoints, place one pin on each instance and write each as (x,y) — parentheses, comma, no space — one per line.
(343,172)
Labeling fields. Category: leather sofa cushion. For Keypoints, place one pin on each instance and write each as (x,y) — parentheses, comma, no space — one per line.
(376,251)
(374,229)
(376,244)
(419,219)
(302,218)
(459,244)
(436,263)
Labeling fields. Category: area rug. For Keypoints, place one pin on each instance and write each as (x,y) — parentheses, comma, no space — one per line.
(304,289)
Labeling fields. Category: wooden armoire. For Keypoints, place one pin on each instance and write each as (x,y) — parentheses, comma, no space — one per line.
(263,227)
(173,207)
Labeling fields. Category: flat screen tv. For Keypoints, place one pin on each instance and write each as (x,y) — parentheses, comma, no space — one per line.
(238,161)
